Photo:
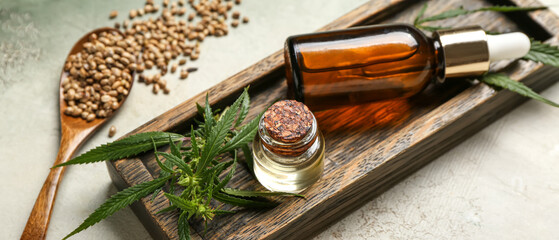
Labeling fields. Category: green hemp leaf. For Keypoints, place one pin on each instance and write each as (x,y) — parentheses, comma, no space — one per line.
(543,53)
(119,201)
(503,81)
(193,170)
(419,20)
(539,52)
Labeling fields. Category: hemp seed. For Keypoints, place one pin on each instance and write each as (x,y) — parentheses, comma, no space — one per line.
(112,131)
(184,74)
(236,15)
(133,13)
(90,117)
(155,88)
(148,8)
(113,14)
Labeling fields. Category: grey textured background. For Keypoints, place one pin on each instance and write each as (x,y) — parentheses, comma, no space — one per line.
(500,183)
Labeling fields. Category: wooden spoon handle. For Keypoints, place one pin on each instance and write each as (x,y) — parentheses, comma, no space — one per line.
(38,221)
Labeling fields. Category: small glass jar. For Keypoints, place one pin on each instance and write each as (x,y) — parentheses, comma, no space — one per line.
(288,151)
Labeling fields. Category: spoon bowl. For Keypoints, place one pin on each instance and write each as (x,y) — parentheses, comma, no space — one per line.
(74,132)
(76,122)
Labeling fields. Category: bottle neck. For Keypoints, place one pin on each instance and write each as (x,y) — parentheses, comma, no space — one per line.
(464,50)
(439,75)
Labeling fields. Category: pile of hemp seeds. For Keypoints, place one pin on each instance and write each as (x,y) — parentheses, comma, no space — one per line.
(100,76)
(171,36)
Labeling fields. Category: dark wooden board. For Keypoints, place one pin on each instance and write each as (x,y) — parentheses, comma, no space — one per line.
(369,147)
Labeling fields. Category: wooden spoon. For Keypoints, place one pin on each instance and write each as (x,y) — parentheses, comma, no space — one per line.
(74,133)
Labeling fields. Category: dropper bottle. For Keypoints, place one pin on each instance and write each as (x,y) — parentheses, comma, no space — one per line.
(372,63)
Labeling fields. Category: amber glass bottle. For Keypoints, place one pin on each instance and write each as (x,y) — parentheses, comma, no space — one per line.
(365,64)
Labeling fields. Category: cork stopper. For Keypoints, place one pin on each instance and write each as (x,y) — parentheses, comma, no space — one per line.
(288,121)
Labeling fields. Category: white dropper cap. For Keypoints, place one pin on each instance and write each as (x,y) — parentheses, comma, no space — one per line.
(507,46)
(468,51)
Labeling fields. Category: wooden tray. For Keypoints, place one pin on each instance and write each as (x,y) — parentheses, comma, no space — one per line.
(370,147)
